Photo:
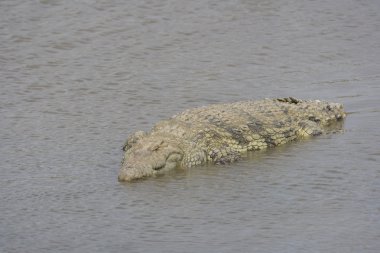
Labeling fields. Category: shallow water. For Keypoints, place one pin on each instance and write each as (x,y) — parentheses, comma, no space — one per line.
(78,76)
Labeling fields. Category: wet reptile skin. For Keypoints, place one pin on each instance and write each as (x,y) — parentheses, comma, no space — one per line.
(221,133)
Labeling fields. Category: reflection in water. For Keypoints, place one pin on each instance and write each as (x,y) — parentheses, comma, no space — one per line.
(79,76)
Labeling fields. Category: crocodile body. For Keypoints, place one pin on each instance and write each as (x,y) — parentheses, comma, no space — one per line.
(222,133)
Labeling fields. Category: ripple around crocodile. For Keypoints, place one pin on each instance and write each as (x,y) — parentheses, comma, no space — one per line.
(221,133)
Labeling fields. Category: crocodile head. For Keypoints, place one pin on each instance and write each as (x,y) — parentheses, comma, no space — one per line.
(148,156)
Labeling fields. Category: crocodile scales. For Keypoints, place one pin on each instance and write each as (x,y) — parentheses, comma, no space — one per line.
(222,133)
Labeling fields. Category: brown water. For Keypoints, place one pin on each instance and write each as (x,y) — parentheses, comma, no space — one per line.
(76,77)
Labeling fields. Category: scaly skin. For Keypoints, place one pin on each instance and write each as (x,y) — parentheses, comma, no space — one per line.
(221,133)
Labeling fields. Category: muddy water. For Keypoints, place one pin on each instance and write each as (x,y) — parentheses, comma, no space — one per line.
(76,77)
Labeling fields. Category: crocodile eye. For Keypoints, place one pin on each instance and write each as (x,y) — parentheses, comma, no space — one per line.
(156,146)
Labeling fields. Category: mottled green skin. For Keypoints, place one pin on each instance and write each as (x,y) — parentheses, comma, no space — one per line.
(221,133)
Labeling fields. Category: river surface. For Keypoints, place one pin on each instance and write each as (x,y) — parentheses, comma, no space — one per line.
(76,77)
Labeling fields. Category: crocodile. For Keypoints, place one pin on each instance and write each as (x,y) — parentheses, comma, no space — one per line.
(223,133)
